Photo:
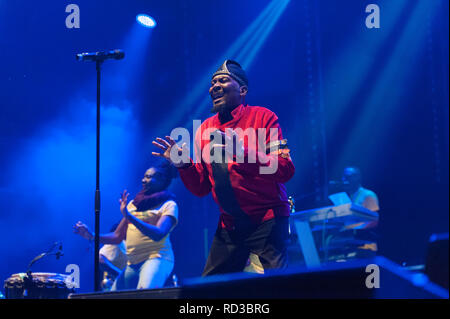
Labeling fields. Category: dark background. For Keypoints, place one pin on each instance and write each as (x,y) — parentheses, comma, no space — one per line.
(345,95)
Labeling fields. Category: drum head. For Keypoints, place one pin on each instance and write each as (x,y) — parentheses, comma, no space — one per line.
(43,286)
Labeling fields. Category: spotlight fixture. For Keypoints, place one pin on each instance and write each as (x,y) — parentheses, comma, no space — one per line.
(146,20)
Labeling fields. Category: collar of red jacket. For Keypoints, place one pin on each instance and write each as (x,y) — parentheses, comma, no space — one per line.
(236,114)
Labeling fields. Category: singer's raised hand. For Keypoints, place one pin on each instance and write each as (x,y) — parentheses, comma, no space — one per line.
(235,144)
(166,146)
(123,203)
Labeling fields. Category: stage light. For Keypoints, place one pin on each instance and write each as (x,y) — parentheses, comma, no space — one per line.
(409,43)
(146,20)
(243,49)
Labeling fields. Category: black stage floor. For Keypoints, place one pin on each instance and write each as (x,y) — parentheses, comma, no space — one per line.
(355,280)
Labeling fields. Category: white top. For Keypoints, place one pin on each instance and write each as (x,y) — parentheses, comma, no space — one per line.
(116,254)
(139,246)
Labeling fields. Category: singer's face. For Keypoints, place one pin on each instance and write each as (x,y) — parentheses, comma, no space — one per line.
(225,93)
(152,181)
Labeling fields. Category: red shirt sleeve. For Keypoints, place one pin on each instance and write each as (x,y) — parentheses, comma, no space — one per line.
(276,166)
(195,176)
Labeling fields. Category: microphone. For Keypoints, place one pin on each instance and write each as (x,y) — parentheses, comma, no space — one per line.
(49,252)
(59,253)
(101,55)
(217,135)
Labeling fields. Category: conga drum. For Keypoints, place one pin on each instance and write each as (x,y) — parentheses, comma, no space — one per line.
(41,285)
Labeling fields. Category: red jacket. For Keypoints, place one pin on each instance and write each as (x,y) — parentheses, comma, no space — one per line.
(260,196)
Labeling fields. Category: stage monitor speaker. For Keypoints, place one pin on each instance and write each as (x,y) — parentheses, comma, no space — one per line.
(362,279)
(436,264)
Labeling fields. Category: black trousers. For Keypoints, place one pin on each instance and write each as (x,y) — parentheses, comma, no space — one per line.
(230,249)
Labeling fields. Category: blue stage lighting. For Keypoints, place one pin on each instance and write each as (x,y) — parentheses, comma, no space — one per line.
(146,20)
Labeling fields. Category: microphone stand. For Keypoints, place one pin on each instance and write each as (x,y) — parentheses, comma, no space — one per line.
(99,58)
(97,187)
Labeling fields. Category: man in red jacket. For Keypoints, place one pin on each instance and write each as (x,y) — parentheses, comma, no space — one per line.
(242,158)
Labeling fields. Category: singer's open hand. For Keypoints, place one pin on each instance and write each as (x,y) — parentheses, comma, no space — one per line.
(123,203)
(82,230)
(234,143)
(166,145)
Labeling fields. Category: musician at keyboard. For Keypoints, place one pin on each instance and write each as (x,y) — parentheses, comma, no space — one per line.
(365,231)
